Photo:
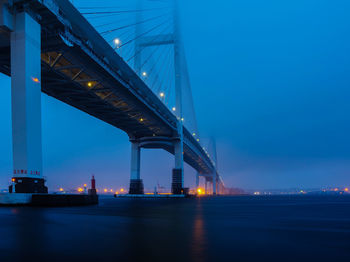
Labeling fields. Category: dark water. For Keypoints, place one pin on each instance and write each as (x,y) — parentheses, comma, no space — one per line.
(296,228)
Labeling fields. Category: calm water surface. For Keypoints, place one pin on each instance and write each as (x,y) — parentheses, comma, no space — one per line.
(293,228)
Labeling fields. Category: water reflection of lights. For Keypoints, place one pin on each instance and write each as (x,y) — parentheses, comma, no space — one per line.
(199,243)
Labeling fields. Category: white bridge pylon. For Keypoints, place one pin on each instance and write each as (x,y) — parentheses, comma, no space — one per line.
(25,43)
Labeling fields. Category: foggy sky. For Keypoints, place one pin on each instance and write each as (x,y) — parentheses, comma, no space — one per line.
(270,81)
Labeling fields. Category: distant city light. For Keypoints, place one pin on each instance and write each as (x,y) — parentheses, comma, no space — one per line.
(112,190)
(105,190)
(85,185)
(80,189)
(89,84)
(122,190)
(61,189)
(346,189)
(141,119)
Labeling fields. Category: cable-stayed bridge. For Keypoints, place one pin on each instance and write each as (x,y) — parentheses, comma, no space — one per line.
(124,66)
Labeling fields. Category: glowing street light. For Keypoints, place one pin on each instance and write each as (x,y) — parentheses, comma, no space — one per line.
(174,108)
(161,94)
(117,42)
(144,74)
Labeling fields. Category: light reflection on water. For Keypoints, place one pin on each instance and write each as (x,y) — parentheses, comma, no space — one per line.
(199,230)
(199,243)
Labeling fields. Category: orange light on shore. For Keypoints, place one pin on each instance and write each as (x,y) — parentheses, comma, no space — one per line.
(105,190)
(61,189)
(200,191)
(80,189)
(346,189)
(13,180)
(85,185)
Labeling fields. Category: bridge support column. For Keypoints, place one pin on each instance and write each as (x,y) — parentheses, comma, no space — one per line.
(178,174)
(136,184)
(214,184)
(197,181)
(206,186)
(26,106)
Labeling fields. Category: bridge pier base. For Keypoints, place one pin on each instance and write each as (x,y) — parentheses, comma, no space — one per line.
(177,185)
(214,185)
(26,106)
(136,187)
(136,183)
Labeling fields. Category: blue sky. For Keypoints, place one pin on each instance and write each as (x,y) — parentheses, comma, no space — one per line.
(270,81)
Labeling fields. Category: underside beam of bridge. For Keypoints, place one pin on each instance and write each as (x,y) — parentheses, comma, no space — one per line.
(26,105)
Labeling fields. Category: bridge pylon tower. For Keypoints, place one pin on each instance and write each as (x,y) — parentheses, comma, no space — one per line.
(174,39)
